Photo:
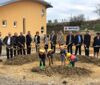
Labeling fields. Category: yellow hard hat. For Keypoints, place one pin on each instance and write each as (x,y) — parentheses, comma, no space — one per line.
(49,50)
(68,54)
(42,50)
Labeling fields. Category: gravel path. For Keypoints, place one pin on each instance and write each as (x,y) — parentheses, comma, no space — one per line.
(5,80)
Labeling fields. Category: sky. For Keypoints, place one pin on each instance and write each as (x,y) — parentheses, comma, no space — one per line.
(64,9)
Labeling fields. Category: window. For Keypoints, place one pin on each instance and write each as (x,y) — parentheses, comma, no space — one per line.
(15,24)
(43,12)
(42,29)
(4,23)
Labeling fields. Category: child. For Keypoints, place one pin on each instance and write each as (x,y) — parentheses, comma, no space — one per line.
(62,54)
(50,56)
(42,57)
(73,59)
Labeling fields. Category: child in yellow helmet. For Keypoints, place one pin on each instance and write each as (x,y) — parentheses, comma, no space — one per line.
(42,57)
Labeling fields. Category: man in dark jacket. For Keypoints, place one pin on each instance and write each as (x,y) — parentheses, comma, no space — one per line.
(78,43)
(70,42)
(87,40)
(8,41)
(53,39)
(15,44)
(37,41)
(21,42)
(28,42)
(1,43)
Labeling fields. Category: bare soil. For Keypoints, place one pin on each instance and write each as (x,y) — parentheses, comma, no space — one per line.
(26,68)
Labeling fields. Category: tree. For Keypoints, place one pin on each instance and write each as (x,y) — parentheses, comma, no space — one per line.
(77,20)
(49,21)
(98,9)
(55,21)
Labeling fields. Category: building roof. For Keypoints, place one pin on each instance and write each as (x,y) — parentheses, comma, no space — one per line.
(48,5)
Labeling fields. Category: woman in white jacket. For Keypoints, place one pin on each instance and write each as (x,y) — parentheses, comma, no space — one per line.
(60,38)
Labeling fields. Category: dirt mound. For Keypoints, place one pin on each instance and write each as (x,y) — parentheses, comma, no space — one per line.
(64,71)
(92,60)
(20,60)
(83,59)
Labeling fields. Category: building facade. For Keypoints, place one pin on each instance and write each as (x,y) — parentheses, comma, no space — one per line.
(22,16)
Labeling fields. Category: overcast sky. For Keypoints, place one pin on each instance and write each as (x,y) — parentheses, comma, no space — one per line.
(64,9)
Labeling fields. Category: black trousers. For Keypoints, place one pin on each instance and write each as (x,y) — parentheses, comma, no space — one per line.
(42,62)
(87,50)
(0,50)
(53,46)
(15,50)
(78,48)
(28,49)
(69,48)
(37,46)
(9,52)
(46,48)
(21,50)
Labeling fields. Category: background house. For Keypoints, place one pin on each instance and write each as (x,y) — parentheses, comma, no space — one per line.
(22,16)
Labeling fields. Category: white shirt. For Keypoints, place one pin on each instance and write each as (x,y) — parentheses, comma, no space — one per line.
(46,41)
(42,37)
(9,41)
(36,39)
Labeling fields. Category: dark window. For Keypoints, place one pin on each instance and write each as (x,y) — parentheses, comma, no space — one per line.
(15,24)
(4,23)
(42,29)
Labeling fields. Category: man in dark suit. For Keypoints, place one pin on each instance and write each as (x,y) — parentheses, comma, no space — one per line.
(1,43)
(37,41)
(8,41)
(21,42)
(28,42)
(87,40)
(53,39)
(15,44)
(78,43)
(69,42)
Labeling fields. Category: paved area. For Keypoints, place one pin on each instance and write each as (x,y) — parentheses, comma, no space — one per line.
(6,80)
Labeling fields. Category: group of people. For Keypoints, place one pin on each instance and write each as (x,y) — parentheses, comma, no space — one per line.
(76,40)
(15,45)
(22,45)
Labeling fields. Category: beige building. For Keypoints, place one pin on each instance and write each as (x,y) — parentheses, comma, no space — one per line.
(22,16)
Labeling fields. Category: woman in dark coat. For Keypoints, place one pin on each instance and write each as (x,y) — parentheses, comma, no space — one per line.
(96,45)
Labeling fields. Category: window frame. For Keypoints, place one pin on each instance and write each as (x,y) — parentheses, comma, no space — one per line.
(15,24)
(43,13)
(4,23)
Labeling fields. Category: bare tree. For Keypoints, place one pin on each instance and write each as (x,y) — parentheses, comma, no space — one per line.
(77,20)
(98,9)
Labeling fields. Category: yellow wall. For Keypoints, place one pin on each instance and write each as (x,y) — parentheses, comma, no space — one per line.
(29,10)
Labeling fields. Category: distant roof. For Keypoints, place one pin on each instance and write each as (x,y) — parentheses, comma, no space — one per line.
(48,5)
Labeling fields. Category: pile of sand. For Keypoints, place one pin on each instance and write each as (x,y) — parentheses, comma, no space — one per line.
(20,60)
(90,60)
(64,71)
